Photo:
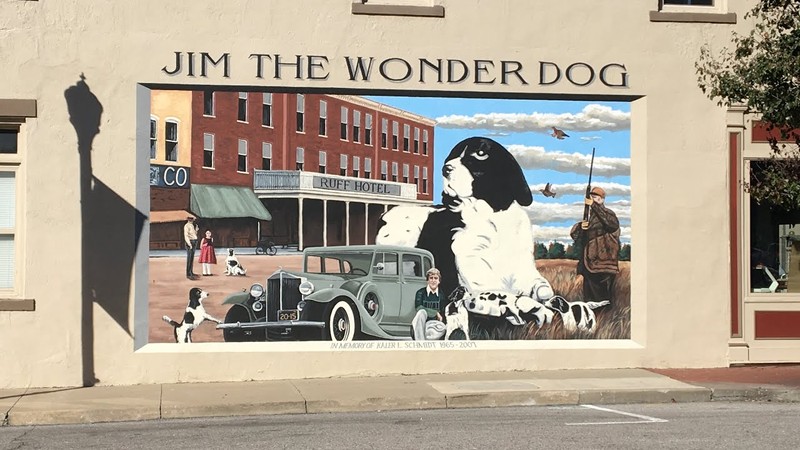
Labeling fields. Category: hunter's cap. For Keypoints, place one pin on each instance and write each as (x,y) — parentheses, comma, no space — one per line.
(598,191)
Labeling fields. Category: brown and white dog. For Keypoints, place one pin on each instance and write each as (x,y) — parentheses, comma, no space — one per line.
(194,315)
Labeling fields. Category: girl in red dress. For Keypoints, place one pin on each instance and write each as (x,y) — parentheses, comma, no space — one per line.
(207,256)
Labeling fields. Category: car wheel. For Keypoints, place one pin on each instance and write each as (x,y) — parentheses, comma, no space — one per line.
(239,313)
(342,322)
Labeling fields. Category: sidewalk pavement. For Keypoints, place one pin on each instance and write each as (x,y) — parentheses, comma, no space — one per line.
(402,392)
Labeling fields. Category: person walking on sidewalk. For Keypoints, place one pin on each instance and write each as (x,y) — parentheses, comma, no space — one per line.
(428,324)
(207,255)
(190,239)
(599,240)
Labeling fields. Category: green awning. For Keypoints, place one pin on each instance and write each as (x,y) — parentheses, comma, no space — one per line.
(226,202)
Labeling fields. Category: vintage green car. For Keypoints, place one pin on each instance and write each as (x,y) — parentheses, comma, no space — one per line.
(343,293)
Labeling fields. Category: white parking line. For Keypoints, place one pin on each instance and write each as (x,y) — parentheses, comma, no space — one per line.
(644,419)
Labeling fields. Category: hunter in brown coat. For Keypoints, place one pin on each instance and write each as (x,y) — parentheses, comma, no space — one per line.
(599,241)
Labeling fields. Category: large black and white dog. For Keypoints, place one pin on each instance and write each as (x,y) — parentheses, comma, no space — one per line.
(480,237)
(194,315)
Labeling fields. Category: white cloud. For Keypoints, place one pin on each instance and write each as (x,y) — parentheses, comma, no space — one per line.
(612,189)
(540,213)
(534,157)
(590,138)
(561,234)
(593,117)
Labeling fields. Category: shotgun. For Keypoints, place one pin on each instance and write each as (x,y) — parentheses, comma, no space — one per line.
(585,223)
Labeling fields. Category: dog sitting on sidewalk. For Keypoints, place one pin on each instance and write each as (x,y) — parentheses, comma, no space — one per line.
(233,266)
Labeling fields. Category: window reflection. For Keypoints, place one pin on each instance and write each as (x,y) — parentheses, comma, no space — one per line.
(774,245)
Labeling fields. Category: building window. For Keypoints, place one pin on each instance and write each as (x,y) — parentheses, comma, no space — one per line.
(416,141)
(343,131)
(405,173)
(343,165)
(424,180)
(301,109)
(406,137)
(323,161)
(208,102)
(384,166)
(153,137)
(368,129)
(241,165)
(266,110)
(416,177)
(242,115)
(774,244)
(395,131)
(8,215)
(356,126)
(688,2)
(356,166)
(384,131)
(425,142)
(208,150)
(266,156)
(323,118)
(394,171)
(8,141)
(171,141)
(300,158)
(367,167)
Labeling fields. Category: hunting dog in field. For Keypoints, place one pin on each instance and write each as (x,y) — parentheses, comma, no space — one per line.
(576,315)
(516,309)
(456,314)
(194,315)
(232,265)
(480,236)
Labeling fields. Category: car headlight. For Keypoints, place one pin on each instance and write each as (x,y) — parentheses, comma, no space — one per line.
(256,290)
(306,287)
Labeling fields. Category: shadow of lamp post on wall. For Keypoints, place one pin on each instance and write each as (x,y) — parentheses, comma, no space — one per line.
(107,255)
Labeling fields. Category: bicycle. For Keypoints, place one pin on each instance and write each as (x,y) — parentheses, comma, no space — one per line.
(266,247)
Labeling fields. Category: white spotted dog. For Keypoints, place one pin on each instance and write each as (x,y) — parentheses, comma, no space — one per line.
(195,315)
(233,266)
(456,314)
(576,315)
(480,237)
(517,309)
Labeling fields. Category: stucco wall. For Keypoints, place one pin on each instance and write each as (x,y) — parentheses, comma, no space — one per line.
(680,282)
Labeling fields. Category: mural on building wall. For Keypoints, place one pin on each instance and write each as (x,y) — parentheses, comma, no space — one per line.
(340,218)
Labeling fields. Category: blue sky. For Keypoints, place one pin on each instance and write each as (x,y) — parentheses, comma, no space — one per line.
(523,126)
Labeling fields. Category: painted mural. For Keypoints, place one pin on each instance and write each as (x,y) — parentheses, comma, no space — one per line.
(305,217)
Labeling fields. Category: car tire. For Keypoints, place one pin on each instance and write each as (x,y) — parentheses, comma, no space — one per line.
(239,313)
(341,322)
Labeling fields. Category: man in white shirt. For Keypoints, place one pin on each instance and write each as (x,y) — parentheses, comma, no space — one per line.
(190,238)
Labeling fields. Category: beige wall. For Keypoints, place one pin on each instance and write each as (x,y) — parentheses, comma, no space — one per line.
(680,282)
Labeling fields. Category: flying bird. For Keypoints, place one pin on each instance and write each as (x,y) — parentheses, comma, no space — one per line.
(558,134)
(547,191)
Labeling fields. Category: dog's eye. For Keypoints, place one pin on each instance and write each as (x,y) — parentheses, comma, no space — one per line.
(480,155)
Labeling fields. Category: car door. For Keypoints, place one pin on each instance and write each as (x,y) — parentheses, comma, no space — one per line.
(412,278)
(386,277)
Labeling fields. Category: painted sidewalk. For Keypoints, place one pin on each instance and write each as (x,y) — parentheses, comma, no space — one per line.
(486,389)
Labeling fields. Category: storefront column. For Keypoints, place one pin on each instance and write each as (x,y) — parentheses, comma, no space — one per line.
(300,223)
(324,223)
(347,223)
(366,223)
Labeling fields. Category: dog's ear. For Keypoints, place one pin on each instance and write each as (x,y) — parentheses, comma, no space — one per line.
(457,294)
(502,180)
(559,304)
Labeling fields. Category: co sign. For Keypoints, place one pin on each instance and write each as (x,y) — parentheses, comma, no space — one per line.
(176,177)
(169,176)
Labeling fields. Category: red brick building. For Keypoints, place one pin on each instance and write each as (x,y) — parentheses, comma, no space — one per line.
(324,166)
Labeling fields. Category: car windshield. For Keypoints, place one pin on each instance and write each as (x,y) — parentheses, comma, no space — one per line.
(356,263)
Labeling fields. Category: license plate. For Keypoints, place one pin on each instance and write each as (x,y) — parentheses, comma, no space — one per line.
(288,314)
